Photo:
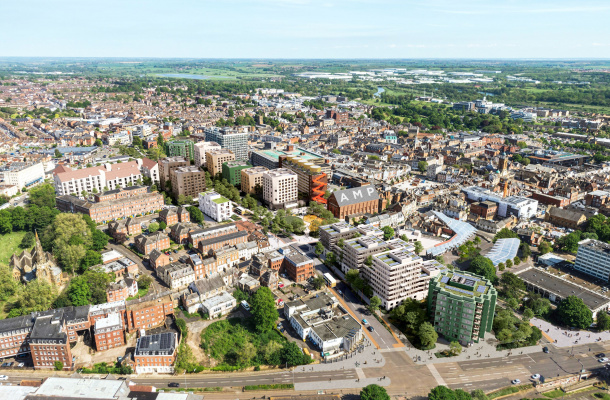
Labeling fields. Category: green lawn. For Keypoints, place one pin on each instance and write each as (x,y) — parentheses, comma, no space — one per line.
(9,244)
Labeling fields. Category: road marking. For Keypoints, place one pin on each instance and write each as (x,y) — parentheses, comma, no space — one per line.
(436,375)
(360,373)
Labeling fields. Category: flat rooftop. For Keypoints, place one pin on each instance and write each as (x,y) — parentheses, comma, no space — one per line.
(562,288)
(63,388)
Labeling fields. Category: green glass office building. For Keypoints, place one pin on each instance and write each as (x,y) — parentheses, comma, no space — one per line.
(231,171)
(462,306)
(182,148)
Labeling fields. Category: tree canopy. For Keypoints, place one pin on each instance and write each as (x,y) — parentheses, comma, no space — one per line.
(573,312)
(263,309)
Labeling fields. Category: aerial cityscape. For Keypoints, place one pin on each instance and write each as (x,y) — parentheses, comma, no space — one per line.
(295,199)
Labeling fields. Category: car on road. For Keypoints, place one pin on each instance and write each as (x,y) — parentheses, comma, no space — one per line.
(3,377)
(545,349)
(20,365)
(535,376)
(339,292)
(603,359)
(173,384)
(5,364)
(11,364)
(600,355)
(364,321)
(515,381)
(370,328)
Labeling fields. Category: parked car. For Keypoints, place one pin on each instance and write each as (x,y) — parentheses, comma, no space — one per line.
(173,384)
(600,355)
(4,365)
(535,376)
(20,365)
(603,359)
(515,381)
(545,349)
(3,377)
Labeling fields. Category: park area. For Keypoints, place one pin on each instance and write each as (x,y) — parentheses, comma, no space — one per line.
(9,245)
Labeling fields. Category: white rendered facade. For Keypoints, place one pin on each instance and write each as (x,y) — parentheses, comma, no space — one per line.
(280,187)
(24,175)
(199,150)
(215,206)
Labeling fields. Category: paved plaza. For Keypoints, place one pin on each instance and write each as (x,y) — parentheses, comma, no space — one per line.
(568,338)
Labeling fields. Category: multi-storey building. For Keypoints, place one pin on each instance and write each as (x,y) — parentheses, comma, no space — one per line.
(296,264)
(96,179)
(215,206)
(215,243)
(270,157)
(280,188)
(148,312)
(156,353)
(121,290)
(462,306)
(484,209)
(127,227)
(166,165)
(252,179)
(593,258)
(176,275)
(49,343)
(200,150)
(146,244)
(221,304)
(215,159)
(398,274)
(22,175)
(108,332)
(331,234)
(355,202)
(312,182)
(182,148)
(229,139)
(187,181)
(356,251)
(520,207)
(198,235)
(172,216)
(231,171)
(132,201)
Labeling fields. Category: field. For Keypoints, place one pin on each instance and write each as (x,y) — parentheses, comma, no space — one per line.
(9,244)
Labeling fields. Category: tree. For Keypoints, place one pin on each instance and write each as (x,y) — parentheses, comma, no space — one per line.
(418,247)
(196,215)
(18,218)
(5,223)
(43,195)
(527,314)
(476,241)
(153,227)
(388,232)
(483,266)
(292,355)
(319,249)
(516,260)
(28,241)
(603,321)
(57,153)
(568,243)
(263,310)
(79,292)
(374,304)
(441,393)
(162,225)
(427,335)
(374,392)
(37,295)
(99,240)
(318,282)
(479,394)
(59,366)
(422,166)
(455,348)
(144,281)
(545,247)
(573,312)
(91,258)
(505,233)
(525,250)
(509,263)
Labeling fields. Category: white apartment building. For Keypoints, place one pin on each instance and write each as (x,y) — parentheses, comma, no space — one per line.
(22,175)
(199,150)
(593,258)
(150,169)
(111,176)
(176,275)
(215,206)
(122,137)
(280,188)
(398,273)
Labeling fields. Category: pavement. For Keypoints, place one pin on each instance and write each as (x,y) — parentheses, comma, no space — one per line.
(567,337)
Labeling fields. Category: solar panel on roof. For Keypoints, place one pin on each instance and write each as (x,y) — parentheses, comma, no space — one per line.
(144,342)
(481,289)
(444,279)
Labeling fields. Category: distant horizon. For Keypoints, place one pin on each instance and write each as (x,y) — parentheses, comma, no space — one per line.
(308,29)
(306,59)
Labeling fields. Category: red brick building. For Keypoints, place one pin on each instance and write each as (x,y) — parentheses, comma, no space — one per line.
(108,332)
(146,244)
(484,209)
(355,202)
(146,313)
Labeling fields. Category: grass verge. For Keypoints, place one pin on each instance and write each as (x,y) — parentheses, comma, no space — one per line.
(265,387)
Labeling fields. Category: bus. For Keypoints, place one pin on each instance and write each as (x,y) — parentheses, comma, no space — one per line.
(330,281)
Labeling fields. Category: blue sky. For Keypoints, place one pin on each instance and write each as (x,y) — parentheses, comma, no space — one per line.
(306,28)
